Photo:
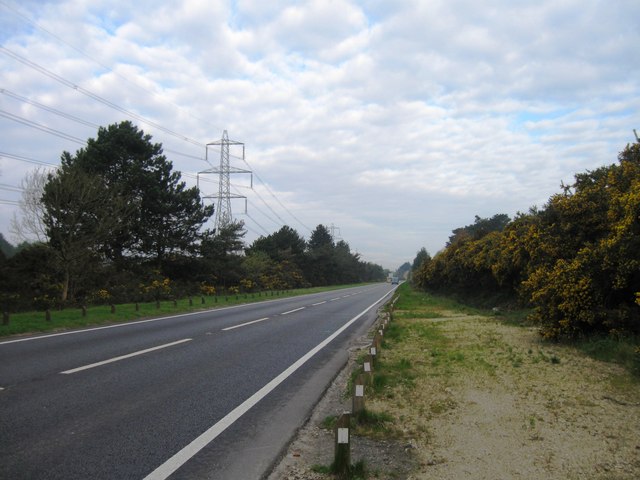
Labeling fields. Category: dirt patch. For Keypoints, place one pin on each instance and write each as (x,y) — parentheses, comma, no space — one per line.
(487,400)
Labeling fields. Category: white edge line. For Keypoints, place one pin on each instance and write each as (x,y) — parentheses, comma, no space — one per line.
(294,310)
(319,303)
(122,357)
(245,324)
(180,458)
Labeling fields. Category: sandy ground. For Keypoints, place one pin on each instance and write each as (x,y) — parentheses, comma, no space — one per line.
(493,403)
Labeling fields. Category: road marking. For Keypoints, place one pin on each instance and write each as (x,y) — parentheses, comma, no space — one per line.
(294,310)
(245,324)
(122,357)
(184,455)
(334,299)
(319,303)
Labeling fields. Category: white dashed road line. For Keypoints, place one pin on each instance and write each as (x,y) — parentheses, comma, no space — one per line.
(245,324)
(122,357)
(294,310)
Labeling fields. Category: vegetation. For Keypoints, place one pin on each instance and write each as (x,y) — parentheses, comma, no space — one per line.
(576,261)
(447,367)
(116,224)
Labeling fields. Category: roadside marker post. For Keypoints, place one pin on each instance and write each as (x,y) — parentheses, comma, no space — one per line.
(367,364)
(367,368)
(342,458)
(377,341)
(358,395)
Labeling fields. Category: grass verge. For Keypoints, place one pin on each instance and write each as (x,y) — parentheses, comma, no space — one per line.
(434,339)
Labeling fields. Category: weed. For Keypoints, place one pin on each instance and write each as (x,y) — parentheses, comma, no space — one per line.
(329,422)
(624,351)
(368,422)
(443,406)
(357,471)
(323,469)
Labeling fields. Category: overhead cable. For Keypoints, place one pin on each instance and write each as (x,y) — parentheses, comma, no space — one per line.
(93,96)
(27,159)
(43,128)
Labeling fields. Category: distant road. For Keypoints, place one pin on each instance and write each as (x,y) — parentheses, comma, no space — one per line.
(213,394)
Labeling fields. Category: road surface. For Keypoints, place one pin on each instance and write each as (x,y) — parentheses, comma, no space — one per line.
(212,395)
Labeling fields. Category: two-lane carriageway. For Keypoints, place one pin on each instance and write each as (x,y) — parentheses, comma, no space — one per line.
(215,394)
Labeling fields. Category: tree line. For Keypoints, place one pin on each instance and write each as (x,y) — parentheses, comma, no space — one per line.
(116,223)
(575,261)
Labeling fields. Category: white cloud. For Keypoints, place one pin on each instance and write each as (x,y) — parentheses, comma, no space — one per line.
(397,121)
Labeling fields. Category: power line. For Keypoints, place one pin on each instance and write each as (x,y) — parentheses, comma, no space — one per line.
(252,230)
(26,159)
(47,108)
(261,212)
(107,68)
(116,107)
(276,199)
(11,188)
(84,122)
(77,119)
(43,128)
(282,222)
(98,98)
(254,221)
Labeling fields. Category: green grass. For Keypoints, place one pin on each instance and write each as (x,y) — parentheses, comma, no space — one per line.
(69,318)
(415,304)
(357,471)
(392,374)
(423,303)
(370,422)
(329,422)
(623,351)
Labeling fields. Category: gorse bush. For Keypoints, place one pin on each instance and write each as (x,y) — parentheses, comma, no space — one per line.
(576,261)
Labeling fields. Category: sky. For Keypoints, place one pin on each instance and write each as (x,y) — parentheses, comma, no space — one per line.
(392,122)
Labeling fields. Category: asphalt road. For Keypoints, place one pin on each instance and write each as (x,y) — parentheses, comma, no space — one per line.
(213,395)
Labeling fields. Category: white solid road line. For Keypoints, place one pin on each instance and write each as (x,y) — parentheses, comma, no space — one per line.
(183,456)
(122,357)
(245,324)
(294,310)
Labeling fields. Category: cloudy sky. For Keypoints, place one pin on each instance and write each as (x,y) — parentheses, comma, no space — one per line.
(394,121)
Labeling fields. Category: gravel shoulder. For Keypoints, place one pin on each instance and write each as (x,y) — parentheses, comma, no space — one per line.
(486,400)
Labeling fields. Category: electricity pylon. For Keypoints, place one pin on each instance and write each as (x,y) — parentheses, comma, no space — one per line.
(335,233)
(223,207)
